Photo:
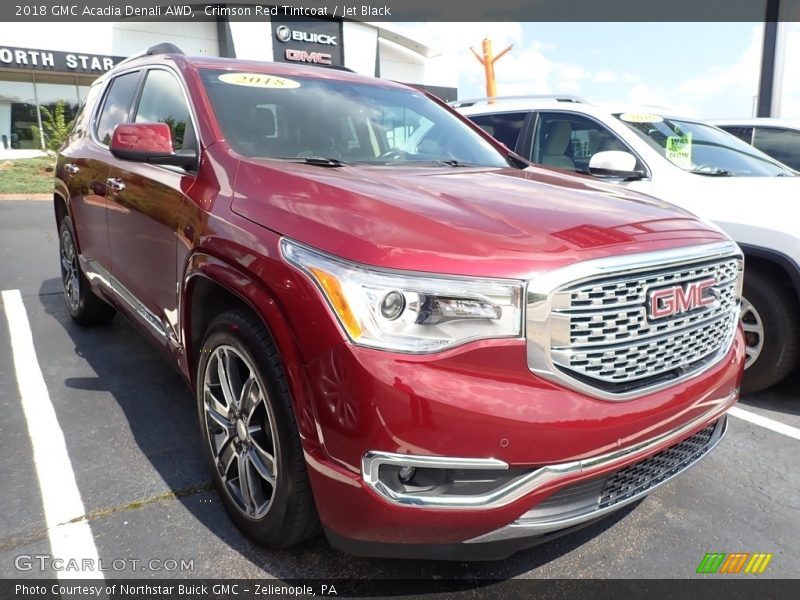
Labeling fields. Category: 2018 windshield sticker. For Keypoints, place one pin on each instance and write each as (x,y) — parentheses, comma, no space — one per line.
(679,150)
(640,118)
(259,80)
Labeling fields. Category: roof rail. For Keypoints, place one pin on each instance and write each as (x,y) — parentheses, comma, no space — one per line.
(162,48)
(486,100)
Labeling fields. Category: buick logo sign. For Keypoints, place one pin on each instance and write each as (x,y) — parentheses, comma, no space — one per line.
(284,34)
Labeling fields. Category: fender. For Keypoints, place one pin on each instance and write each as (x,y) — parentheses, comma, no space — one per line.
(259,299)
(782,260)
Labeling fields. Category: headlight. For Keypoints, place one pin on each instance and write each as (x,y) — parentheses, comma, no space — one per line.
(409,312)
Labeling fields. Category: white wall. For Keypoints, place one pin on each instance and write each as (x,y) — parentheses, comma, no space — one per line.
(198,38)
(360,47)
(252,40)
(788,93)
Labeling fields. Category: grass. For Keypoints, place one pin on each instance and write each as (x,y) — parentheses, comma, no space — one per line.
(27,175)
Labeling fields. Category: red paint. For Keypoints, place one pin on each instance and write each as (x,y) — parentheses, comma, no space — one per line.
(147,138)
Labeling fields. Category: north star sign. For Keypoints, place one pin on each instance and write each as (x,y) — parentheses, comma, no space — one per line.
(52,60)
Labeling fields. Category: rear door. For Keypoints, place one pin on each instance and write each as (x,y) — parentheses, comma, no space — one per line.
(145,211)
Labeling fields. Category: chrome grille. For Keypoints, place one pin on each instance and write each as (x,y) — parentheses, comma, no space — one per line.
(647,474)
(632,290)
(595,331)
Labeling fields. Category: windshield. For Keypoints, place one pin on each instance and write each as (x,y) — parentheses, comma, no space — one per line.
(703,149)
(295,117)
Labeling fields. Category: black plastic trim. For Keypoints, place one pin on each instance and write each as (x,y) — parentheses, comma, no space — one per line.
(780,259)
(482,551)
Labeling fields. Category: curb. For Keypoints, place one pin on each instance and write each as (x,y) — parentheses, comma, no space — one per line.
(25,197)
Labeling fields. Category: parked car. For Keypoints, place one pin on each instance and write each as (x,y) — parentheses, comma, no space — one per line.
(691,164)
(780,138)
(395,328)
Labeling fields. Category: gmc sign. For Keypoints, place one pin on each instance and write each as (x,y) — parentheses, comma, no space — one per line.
(680,299)
(318,58)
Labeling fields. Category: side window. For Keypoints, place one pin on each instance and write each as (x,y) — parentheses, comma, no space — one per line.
(81,122)
(568,141)
(505,127)
(163,101)
(780,144)
(117,105)
(743,133)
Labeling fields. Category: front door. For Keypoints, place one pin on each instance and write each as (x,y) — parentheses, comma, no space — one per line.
(145,205)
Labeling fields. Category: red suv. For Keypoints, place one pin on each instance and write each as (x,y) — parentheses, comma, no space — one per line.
(397,331)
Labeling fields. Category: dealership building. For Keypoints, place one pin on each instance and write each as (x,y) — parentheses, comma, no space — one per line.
(41,72)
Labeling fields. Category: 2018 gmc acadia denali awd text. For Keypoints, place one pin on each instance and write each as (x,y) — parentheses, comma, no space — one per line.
(396,330)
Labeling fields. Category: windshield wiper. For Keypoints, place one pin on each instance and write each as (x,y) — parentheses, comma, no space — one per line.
(454,163)
(318,161)
(715,173)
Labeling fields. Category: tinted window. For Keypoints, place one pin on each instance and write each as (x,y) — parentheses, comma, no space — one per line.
(117,105)
(505,127)
(743,133)
(568,141)
(163,101)
(370,123)
(780,144)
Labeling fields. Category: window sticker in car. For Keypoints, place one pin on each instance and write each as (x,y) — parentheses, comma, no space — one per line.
(679,150)
(640,118)
(259,80)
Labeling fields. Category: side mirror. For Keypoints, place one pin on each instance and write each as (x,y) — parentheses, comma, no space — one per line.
(150,143)
(614,164)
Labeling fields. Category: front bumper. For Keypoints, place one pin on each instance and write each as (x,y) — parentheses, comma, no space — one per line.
(559,450)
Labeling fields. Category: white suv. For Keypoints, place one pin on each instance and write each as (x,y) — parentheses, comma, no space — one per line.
(715,175)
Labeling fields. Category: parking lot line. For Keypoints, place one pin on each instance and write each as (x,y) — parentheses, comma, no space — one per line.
(61,498)
(776,426)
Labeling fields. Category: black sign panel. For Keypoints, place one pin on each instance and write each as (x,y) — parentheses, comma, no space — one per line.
(55,61)
(307,41)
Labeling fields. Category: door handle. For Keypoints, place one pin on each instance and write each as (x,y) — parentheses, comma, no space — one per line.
(115,184)
(71,168)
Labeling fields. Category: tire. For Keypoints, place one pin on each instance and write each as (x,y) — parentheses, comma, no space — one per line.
(771,322)
(249,433)
(84,306)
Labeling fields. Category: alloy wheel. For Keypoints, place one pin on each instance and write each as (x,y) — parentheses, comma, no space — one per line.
(753,333)
(69,270)
(240,430)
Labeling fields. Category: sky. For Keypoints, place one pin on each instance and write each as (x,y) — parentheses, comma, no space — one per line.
(702,70)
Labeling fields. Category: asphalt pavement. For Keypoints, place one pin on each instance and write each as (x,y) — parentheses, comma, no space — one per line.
(130,431)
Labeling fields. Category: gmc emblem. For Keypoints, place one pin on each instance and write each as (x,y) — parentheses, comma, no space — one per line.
(680,299)
(319,58)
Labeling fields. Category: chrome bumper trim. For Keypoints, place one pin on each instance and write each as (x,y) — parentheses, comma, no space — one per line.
(523,485)
(532,527)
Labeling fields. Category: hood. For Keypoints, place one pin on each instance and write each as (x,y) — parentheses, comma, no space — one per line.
(764,203)
(469,221)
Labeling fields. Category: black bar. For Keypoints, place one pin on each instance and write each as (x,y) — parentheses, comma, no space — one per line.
(224,37)
(767,81)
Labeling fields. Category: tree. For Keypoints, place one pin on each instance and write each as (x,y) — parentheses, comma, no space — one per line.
(55,125)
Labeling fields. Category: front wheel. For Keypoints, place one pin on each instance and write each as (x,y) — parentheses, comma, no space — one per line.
(250,435)
(770,320)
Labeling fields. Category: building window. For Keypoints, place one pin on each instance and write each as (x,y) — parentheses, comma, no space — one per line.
(58,106)
(29,108)
(18,119)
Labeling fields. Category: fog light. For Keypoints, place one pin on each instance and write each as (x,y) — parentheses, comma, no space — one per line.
(392,305)
(406,474)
